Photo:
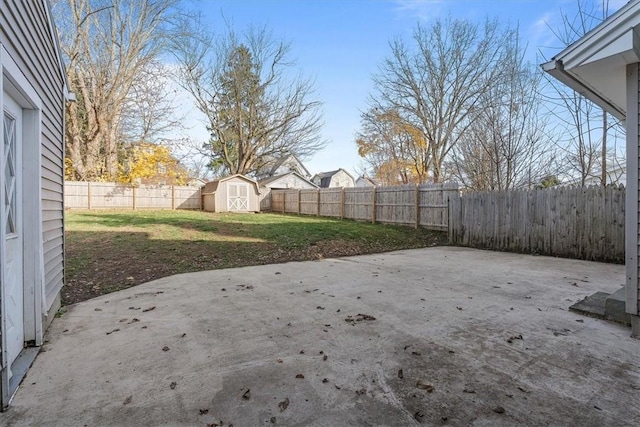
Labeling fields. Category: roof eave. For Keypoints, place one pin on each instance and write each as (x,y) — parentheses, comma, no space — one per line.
(556,69)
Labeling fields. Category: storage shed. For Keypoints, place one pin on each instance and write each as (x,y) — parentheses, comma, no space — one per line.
(235,193)
(33,92)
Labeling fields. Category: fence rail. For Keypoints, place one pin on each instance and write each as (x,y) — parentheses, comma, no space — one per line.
(111,195)
(424,205)
(584,223)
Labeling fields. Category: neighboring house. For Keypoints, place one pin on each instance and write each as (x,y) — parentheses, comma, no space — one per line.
(281,166)
(33,96)
(604,66)
(196,182)
(287,180)
(235,193)
(365,181)
(336,178)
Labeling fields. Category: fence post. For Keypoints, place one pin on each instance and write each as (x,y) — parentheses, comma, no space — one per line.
(373,205)
(342,203)
(135,196)
(89,195)
(173,197)
(298,201)
(417,205)
(284,200)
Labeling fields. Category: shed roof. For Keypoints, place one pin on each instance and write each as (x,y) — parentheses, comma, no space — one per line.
(212,186)
(595,65)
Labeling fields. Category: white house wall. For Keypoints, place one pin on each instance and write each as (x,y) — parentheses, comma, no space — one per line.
(290,181)
(632,206)
(342,179)
(27,38)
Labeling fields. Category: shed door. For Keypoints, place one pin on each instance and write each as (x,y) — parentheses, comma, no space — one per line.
(237,197)
(13,285)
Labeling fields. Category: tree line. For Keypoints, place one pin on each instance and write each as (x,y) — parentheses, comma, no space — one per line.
(457,101)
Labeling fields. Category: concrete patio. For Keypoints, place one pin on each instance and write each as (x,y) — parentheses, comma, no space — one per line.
(460,337)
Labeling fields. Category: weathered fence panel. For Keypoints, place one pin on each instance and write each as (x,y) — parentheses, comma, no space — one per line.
(309,201)
(424,205)
(584,223)
(358,203)
(111,195)
(331,202)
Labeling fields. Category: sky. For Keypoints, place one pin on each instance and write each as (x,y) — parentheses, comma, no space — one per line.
(340,44)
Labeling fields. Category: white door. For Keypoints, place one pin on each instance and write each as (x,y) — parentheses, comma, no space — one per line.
(237,197)
(12,223)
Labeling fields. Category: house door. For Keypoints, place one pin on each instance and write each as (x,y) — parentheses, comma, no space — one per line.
(13,283)
(237,197)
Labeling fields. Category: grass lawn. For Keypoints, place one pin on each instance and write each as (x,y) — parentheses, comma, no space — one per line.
(111,250)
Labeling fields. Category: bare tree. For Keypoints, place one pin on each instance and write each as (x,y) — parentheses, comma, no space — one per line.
(257,106)
(149,111)
(109,45)
(508,144)
(436,82)
(584,127)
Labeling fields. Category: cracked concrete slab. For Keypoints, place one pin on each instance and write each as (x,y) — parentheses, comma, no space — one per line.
(439,336)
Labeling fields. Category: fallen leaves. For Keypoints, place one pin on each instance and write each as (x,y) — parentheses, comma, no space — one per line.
(115,330)
(165,348)
(283,405)
(173,385)
(247,394)
(149,309)
(400,374)
(424,386)
(127,400)
(515,337)
(299,376)
(359,318)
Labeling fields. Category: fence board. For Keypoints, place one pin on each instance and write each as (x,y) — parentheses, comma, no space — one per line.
(111,195)
(584,223)
(392,205)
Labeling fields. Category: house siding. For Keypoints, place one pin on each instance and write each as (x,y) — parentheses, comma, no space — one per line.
(290,181)
(27,37)
(635,177)
(632,206)
(341,179)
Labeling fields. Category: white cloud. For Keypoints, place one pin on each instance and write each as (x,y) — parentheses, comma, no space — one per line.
(421,9)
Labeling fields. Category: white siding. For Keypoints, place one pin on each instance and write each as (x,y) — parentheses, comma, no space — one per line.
(27,37)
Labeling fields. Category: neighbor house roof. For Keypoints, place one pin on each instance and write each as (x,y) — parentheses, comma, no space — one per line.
(367,180)
(272,165)
(325,177)
(595,65)
(267,181)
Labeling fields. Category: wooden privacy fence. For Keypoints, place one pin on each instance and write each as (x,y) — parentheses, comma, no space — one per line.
(110,195)
(584,223)
(424,205)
